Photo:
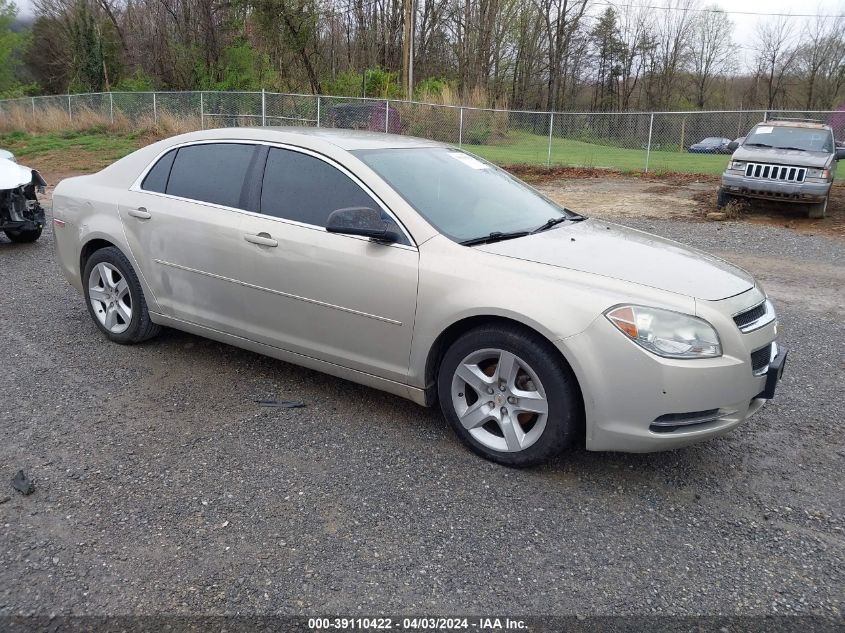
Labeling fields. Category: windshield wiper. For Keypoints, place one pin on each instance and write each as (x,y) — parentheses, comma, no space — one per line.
(495,236)
(797,149)
(551,222)
(755,145)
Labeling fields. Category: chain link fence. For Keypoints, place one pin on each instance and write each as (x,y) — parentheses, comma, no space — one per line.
(627,141)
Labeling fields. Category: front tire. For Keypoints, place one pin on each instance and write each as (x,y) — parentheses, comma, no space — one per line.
(819,210)
(509,396)
(723,198)
(23,236)
(115,299)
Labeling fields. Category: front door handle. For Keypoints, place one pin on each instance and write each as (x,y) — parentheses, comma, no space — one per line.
(141,213)
(262,239)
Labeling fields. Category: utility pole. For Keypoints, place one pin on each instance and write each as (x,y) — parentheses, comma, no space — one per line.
(407,49)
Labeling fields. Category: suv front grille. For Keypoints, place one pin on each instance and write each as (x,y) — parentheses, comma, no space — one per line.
(761,358)
(775,172)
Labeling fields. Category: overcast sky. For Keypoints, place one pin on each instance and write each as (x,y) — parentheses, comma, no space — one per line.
(746,25)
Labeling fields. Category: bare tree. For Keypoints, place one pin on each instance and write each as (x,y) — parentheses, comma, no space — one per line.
(562,18)
(776,58)
(636,41)
(821,61)
(712,51)
(670,51)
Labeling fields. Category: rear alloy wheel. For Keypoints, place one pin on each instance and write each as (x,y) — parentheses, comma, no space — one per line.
(819,210)
(115,299)
(22,236)
(508,396)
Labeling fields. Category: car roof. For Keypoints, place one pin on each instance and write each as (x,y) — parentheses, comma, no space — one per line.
(344,139)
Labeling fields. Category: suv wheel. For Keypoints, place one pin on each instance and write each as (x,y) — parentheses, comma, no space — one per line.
(22,236)
(508,395)
(818,210)
(115,299)
(723,198)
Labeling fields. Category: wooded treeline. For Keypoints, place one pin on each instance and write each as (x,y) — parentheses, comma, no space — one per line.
(528,54)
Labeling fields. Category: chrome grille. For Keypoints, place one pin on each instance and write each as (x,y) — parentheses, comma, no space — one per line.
(755,317)
(743,319)
(775,172)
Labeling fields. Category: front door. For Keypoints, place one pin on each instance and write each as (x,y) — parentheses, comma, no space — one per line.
(338,298)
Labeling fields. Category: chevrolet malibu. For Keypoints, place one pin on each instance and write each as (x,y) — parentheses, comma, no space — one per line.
(416,268)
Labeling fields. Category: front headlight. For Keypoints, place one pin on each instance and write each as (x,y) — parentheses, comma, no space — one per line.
(738,164)
(819,173)
(666,333)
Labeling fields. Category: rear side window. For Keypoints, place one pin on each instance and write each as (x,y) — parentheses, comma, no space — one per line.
(156,178)
(306,189)
(211,172)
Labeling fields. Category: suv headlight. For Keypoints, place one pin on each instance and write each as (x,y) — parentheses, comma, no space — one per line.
(666,333)
(819,173)
(738,164)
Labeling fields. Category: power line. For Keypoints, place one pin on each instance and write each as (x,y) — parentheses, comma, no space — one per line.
(710,10)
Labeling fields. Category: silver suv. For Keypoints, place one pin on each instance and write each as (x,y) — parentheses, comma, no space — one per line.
(787,160)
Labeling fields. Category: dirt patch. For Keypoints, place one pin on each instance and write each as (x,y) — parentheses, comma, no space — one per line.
(623,197)
(611,195)
(539,174)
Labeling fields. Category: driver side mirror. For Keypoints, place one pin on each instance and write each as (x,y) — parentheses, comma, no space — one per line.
(361,221)
(732,146)
(840,153)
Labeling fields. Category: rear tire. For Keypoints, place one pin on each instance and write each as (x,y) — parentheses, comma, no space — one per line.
(723,198)
(114,298)
(509,396)
(819,210)
(21,236)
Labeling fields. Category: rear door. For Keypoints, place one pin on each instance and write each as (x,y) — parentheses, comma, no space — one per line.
(185,229)
(338,298)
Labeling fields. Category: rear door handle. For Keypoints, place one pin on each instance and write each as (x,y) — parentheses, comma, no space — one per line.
(141,213)
(262,239)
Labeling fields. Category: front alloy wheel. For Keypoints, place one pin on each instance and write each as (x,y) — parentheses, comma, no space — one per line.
(509,395)
(499,400)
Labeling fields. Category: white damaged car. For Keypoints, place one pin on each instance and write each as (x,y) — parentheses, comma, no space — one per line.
(21,216)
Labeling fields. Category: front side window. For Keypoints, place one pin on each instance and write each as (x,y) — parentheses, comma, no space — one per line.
(461,196)
(210,172)
(788,137)
(306,189)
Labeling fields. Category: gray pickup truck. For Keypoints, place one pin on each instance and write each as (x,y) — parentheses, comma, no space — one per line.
(786,160)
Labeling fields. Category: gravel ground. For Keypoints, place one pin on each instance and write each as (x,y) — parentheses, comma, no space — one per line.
(163,488)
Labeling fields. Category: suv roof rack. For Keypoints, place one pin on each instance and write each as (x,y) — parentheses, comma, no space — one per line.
(796,120)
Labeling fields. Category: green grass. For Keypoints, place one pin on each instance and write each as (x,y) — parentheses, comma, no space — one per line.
(107,145)
(532,149)
(102,147)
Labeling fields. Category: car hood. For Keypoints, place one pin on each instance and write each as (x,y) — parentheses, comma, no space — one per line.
(13,175)
(782,156)
(611,250)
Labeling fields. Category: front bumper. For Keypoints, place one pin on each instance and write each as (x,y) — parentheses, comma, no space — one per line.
(807,191)
(630,394)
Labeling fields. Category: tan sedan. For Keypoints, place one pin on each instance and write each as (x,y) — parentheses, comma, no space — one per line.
(419,269)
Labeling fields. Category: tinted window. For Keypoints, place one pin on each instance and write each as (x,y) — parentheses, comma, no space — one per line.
(212,172)
(306,189)
(156,179)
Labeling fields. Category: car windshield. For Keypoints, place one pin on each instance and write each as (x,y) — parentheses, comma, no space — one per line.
(712,140)
(462,196)
(785,137)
